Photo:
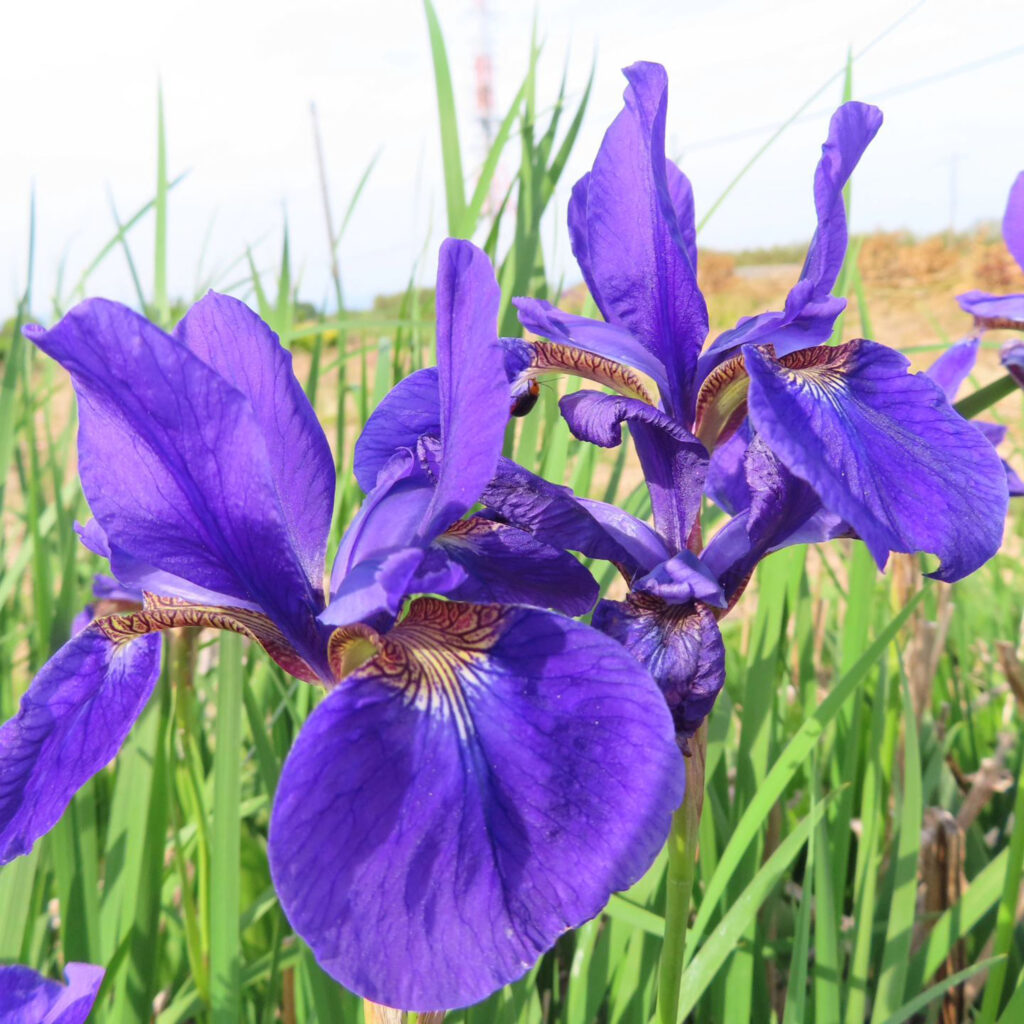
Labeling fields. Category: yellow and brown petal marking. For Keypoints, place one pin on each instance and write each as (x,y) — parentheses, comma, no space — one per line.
(435,652)
(160,613)
(550,355)
(721,403)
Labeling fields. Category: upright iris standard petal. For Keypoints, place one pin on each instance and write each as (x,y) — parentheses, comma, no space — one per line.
(241,348)
(175,466)
(884,450)
(952,368)
(635,254)
(810,310)
(679,644)
(1013,220)
(71,722)
(406,413)
(481,785)
(28,998)
(473,387)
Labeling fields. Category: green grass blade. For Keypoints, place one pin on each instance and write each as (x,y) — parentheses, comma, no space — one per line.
(891,989)
(225,944)
(787,764)
(161,302)
(703,968)
(1006,915)
(451,152)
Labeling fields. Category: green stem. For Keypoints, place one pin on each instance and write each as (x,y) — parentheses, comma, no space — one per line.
(970,406)
(682,861)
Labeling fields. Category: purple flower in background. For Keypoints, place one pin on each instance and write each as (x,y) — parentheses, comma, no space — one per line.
(1002,312)
(483,772)
(951,369)
(797,439)
(28,998)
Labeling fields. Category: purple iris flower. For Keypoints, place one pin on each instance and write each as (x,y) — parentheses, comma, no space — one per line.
(483,772)
(799,440)
(28,998)
(1006,312)
(952,368)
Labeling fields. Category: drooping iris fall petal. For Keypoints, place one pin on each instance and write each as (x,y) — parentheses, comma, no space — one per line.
(28,998)
(71,723)
(475,789)
(884,450)
(679,644)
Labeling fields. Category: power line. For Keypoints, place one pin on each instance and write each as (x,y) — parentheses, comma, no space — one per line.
(896,90)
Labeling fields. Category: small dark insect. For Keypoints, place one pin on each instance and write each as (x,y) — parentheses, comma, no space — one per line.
(523,403)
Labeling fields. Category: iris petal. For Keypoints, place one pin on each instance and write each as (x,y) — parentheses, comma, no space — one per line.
(505,565)
(1013,220)
(481,785)
(406,413)
(174,464)
(600,339)
(637,249)
(28,998)
(810,310)
(231,339)
(556,516)
(674,461)
(680,646)
(994,312)
(952,368)
(71,722)
(884,450)
(473,388)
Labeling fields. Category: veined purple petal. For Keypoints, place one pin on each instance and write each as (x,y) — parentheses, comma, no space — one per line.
(811,311)
(374,589)
(389,518)
(231,339)
(680,646)
(410,410)
(465,797)
(811,326)
(1013,220)
(850,131)
(884,450)
(175,466)
(995,434)
(504,565)
(605,340)
(1011,355)
(71,722)
(674,461)
(28,998)
(681,579)
(473,388)
(779,510)
(635,253)
(726,483)
(952,368)
(136,577)
(556,516)
(994,312)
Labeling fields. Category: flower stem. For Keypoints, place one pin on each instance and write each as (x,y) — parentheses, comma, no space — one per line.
(682,860)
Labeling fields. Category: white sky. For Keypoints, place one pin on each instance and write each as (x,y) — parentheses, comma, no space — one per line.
(78,96)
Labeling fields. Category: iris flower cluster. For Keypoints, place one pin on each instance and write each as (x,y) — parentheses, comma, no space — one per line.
(483,769)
